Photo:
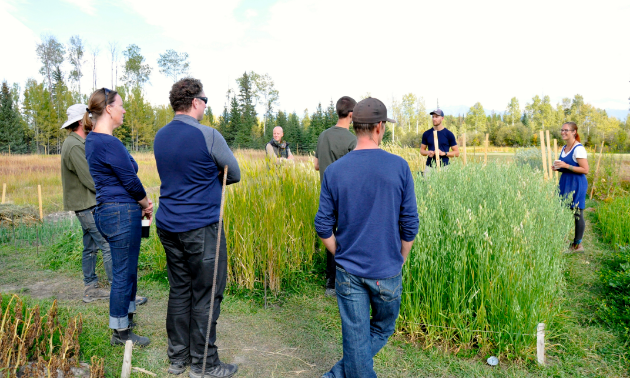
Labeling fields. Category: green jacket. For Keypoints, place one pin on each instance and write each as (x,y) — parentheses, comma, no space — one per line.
(78,186)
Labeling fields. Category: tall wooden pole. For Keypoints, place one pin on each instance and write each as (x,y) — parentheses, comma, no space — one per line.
(464,146)
(549,155)
(4,191)
(39,194)
(601,149)
(555,153)
(437,148)
(485,151)
(542,151)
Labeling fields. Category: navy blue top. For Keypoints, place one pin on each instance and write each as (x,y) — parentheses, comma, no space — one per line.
(113,169)
(369,195)
(446,139)
(190,159)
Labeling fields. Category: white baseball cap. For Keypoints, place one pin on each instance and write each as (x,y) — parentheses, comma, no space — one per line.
(75,113)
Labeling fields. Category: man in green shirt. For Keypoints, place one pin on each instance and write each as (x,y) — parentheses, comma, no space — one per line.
(79,196)
(332,144)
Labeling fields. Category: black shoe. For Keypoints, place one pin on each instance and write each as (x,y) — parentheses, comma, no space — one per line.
(120,336)
(141,300)
(178,367)
(222,370)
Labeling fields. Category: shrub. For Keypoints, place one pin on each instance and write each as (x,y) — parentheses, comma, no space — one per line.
(487,263)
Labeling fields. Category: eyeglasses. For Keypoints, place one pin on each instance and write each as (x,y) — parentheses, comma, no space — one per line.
(106,91)
(565,130)
(204,99)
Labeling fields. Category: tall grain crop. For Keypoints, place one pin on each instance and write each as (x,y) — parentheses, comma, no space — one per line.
(487,263)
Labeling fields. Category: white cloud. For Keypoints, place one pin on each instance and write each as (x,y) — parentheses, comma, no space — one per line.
(86,6)
(19,58)
(250,13)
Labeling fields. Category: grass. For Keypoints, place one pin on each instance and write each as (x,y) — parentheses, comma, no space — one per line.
(613,221)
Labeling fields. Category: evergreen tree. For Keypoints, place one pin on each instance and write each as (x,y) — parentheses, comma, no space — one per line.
(234,124)
(293,133)
(224,122)
(12,132)
(244,135)
(316,127)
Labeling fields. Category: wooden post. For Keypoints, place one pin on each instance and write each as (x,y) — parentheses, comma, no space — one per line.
(540,343)
(601,150)
(437,148)
(464,146)
(39,194)
(485,151)
(4,191)
(555,153)
(542,150)
(549,155)
(9,150)
(126,366)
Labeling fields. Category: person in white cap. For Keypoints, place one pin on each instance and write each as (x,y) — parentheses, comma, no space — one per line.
(79,196)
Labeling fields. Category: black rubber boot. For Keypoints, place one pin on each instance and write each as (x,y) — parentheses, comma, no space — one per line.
(132,324)
(222,370)
(120,336)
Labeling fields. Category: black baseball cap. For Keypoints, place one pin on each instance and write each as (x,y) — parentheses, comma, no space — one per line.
(437,112)
(370,110)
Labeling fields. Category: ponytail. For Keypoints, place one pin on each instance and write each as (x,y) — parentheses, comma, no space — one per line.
(96,107)
(574,127)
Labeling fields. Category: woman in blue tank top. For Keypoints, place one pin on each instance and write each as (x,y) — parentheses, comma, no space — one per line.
(573,165)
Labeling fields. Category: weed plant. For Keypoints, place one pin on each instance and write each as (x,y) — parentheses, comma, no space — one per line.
(614,309)
(529,156)
(487,263)
(613,221)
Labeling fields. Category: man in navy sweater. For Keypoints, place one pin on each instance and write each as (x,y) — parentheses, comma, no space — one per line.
(369,194)
(190,160)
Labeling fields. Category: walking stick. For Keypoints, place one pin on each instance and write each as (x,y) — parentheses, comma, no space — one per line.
(216,268)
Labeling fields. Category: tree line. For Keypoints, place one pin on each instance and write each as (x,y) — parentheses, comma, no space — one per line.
(30,116)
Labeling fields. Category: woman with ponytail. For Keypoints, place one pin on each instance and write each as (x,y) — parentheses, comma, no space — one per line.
(573,165)
(121,205)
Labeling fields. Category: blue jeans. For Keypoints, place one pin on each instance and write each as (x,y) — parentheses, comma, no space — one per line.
(120,224)
(364,337)
(92,242)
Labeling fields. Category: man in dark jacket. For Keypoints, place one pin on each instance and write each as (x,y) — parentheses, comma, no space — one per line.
(190,160)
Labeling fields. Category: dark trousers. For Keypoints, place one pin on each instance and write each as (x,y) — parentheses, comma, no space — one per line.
(331,270)
(190,260)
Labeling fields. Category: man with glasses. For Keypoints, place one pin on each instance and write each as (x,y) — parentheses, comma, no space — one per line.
(190,160)
(369,195)
(446,141)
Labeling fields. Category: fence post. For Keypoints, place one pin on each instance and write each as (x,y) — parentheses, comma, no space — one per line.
(601,150)
(542,151)
(485,152)
(555,153)
(126,366)
(464,145)
(39,194)
(4,191)
(549,155)
(540,343)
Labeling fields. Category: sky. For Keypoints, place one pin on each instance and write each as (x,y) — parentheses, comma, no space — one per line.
(457,52)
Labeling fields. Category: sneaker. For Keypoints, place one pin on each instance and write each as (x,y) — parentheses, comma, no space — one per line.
(178,367)
(120,336)
(93,293)
(141,300)
(331,292)
(222,370)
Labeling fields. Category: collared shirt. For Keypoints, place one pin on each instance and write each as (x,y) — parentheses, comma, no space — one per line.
(78,186)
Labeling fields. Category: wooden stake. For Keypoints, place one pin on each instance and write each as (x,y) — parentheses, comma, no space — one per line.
(4,191)
(601,149)
(485,151)
(39,194)
(542,150)
(540,343)
(464,146)
(555,153)
(437,147)
(549,155)
(144,371)
(126,366)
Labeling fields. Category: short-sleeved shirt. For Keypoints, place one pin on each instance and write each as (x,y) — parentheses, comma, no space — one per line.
(579,153)
(446,139)
(332,144)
